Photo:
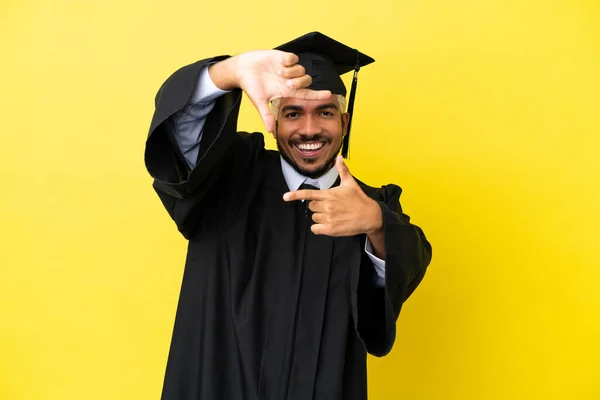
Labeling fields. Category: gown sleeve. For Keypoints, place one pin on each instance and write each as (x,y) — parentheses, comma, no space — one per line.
(193,194)
(407,255)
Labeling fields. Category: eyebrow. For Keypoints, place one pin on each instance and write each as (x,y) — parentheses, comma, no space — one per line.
(292,107)
(326,106)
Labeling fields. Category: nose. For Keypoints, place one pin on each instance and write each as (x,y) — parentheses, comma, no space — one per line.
(310,125)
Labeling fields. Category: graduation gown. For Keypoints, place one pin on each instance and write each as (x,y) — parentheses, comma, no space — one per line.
(267,309)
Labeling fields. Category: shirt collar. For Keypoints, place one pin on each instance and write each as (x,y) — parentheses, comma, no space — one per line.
(294,179)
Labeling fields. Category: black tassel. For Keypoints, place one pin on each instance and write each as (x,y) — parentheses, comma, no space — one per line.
(346,142)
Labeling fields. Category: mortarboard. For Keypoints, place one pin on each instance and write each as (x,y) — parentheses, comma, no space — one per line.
(325,60)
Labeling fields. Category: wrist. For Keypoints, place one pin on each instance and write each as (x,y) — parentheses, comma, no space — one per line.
(224,74)
(375,233)
(375,218)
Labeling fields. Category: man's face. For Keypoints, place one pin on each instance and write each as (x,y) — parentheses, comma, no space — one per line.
(309,134)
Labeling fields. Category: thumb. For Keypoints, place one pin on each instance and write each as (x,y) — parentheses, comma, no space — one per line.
(343,171)
(266,115)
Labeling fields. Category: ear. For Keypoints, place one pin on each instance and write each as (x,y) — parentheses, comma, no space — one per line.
(345,120)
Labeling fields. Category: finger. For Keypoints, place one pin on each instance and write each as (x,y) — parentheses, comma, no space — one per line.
(308,94)
(289,59)
(343,171)
(320,218)
(305,195)
(317,206)
(322,229)
(294,71)
(300,82)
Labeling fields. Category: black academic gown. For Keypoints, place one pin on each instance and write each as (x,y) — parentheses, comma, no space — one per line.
(267,309)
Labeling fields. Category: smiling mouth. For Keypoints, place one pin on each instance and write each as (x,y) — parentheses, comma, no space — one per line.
(309,149)
(310,146)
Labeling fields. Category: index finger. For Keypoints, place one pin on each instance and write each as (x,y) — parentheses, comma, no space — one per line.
(304,194)
(309,94)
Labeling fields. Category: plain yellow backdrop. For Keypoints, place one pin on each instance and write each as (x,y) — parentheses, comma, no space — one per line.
(486,112)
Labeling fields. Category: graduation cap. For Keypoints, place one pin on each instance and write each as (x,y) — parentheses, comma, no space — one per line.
(325,60)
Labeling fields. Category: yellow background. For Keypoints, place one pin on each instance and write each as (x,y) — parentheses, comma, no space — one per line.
(485,112)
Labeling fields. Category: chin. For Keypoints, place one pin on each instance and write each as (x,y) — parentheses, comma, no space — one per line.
(312,168)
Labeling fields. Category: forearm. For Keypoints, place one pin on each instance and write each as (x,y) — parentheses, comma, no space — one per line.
(224,74)
(188,123)
(377,239)
(178,136)
(407,255)
(375,233)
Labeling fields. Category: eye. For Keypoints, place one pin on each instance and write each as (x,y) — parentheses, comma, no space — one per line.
(292,115)
(327,113)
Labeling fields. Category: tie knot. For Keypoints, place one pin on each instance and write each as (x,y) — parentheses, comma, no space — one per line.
(306,186)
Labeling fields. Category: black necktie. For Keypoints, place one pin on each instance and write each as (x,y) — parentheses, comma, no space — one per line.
(306,186)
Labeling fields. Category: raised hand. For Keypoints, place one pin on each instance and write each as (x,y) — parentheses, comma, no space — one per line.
(265,75)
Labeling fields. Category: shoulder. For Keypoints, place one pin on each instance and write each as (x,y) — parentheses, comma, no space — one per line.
(250,147)
(386,193)
(251,139)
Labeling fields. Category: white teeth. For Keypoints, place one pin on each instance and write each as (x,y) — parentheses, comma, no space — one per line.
(310,146)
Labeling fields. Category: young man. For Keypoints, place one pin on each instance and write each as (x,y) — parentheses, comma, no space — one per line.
(295,269)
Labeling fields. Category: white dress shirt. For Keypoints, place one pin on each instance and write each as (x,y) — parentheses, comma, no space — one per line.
(188,123)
